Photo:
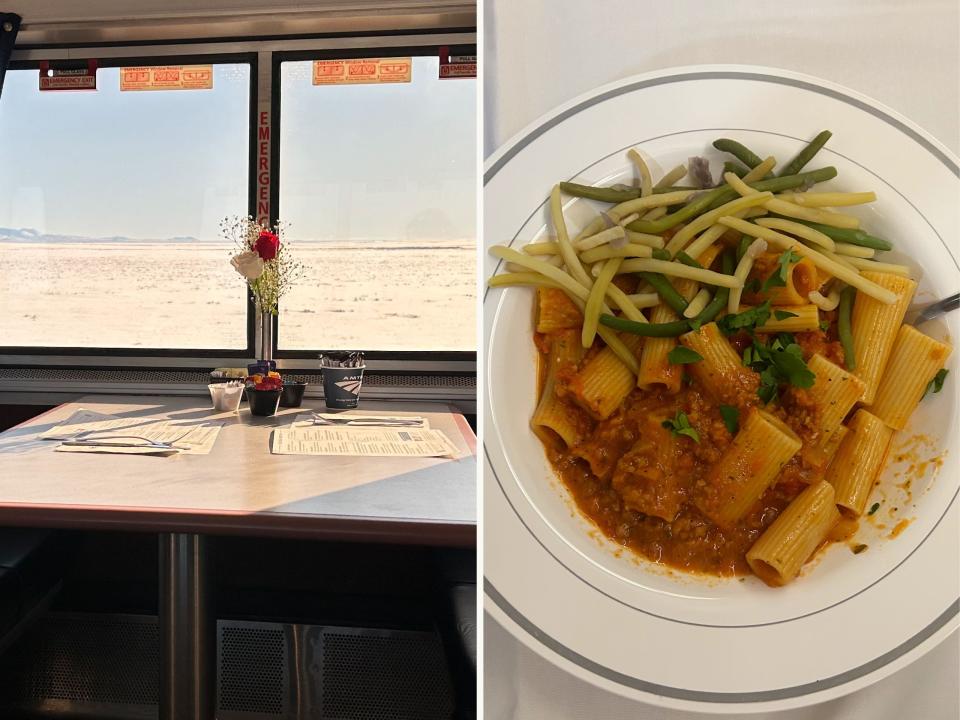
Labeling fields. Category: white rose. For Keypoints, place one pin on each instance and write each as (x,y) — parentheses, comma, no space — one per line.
(248,264)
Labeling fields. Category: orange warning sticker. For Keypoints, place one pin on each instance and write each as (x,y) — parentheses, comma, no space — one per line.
(167,77)
(355,72)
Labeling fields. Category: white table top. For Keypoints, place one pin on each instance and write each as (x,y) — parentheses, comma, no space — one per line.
(240,487)
(541,53)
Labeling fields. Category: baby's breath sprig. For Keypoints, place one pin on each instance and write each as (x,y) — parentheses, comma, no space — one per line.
(279,274)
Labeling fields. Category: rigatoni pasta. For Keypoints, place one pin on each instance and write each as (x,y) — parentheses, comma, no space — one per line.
(858,462)
(555,311)
(833,395)
(791,318)
(555,417)
(655,365)
(720,372)
(914,361)
(604,381)
(751,463)
(801,279)
(874,326)
(788,543)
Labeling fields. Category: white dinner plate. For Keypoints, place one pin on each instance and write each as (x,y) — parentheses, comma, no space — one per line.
(670,639)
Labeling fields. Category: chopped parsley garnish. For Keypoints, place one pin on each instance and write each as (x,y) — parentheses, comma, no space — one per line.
(779,363)
(784,314)
(752,285)
(779,278)
(873,508)
(681,355)
(680,425)
(936,385)
(824,325)
(746,320)
(857,549)
(731,418)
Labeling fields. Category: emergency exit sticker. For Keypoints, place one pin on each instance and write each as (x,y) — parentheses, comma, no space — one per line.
(167,77)
(456,66)
(358,72)
(69,75)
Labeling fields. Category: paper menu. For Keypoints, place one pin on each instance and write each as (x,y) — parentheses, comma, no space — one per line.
(193,438)
(362,442)
(83,420)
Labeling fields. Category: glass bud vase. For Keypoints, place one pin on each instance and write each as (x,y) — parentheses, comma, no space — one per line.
(266,341)
(266,336)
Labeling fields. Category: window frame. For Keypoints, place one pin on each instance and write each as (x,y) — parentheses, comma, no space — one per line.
(261,54)
(446,356)
(248,58)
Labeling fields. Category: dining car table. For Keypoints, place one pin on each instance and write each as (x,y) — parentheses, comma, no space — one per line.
(239,488)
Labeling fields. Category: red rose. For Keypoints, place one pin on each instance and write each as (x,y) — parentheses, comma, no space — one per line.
(267,245)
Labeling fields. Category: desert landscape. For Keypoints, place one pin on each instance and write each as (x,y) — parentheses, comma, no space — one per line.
(180,295)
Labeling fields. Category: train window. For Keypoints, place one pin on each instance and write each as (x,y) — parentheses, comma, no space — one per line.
(377,187)
(110,203)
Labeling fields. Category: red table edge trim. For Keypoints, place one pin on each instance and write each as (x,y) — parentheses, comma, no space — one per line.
(465,430)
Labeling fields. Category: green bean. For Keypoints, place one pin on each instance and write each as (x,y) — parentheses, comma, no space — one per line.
(603,194)
(668,329)
(739,151)
(688,211)
(660,254)
(780,184)
(666,291)
(736,168)
(742,246)
(854,237)
(727,264)
(685,259)
(719,302)
(718,196)
(843,326)
(806,155)
(612,194)
(787,182)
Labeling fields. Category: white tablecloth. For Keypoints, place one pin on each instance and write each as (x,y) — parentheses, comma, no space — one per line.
(540,53)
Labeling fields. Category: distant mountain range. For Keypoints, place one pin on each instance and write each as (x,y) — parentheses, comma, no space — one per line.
(29,235)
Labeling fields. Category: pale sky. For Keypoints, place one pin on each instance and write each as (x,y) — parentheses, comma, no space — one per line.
(358,162)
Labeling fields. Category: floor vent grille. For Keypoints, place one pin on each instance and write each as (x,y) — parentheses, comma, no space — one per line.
(83,665)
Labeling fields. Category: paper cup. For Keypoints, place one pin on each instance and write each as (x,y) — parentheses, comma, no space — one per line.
(226,398)
(341,386)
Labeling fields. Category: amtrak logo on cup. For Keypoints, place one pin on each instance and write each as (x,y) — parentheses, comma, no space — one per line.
(350,384)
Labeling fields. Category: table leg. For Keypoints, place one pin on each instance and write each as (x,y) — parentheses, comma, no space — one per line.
(187,629)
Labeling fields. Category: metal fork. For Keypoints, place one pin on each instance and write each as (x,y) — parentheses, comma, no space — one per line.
(368,422)
(929,312)
(104,440)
